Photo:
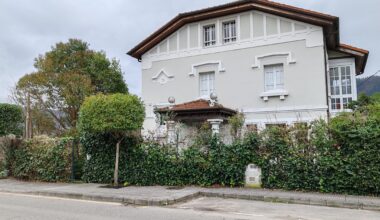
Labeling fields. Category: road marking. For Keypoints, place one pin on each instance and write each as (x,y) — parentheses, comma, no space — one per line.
(59,198)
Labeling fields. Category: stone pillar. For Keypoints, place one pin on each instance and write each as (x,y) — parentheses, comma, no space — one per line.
(171,132)
(215,125)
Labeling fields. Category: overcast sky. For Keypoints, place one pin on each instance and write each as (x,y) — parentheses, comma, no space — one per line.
(29,28)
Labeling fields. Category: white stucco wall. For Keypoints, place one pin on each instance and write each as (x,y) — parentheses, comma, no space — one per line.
(239,74)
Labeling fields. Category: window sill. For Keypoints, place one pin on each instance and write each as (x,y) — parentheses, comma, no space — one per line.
(274,93)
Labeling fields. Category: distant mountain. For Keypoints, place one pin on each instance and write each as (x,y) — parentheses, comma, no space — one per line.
(368,85)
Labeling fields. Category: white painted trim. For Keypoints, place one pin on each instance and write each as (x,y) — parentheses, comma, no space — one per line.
(194,66)
(162,71)
(265,26)
(342,63)
(162,77)
(188,36)
(251,26)
(274,93)
(285,109)
(309,28)
(200,35)
(147,59)
(237,28)
(278,27)
(257,62)
(178,40)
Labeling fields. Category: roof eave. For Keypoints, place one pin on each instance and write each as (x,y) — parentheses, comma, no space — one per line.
(360,55)
(329,23)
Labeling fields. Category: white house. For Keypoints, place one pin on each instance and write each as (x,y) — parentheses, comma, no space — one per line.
(276,63)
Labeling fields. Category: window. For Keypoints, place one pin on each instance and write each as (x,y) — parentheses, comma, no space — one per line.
(274,77)
(346,101)
(209,36)
(335,103)
(340,87)
(229,31)
(206,83)
(346,80)
(251,127)
(334,81)
(276,125)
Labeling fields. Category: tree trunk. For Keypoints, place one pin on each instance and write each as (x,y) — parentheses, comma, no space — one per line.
(116,173)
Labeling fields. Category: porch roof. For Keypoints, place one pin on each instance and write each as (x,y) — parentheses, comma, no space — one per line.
(198,110)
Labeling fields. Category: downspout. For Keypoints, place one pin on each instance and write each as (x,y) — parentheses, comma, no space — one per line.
(326,81)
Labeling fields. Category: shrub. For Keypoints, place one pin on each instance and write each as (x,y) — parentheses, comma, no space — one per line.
(154,164)
(43,159)
(117,114)
(8,144)
(10,119)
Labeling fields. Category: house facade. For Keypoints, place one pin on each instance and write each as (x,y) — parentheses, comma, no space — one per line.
(275,63)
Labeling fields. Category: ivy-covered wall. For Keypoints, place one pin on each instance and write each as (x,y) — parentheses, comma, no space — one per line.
(341,157)
(42,159)
(153,164)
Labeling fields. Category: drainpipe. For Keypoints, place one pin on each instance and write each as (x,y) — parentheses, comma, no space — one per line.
(326,81)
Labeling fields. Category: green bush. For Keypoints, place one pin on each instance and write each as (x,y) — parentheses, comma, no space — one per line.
(120,115)
(43,159)
(10,119)
(339,157)
(154,164)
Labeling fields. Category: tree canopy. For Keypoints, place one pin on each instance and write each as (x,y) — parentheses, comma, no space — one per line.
(10,119)
(64,77)
(116,113)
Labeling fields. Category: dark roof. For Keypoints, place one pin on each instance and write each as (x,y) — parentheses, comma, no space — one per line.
(197,105)
(361,56)
(329,23)
(198,110)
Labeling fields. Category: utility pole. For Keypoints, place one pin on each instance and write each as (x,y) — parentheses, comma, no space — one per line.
(28,121)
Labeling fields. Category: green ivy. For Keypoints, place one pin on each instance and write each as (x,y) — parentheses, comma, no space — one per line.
(43,159)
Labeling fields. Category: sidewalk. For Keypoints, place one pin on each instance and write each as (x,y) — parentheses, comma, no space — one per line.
(160,195)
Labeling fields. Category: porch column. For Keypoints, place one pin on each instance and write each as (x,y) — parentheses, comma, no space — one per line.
(171,132)
(215,125)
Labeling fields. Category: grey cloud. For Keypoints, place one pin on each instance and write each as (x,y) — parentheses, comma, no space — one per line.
(29,28)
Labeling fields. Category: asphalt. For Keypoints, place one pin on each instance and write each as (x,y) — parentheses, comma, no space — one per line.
(163,196)
(30,207)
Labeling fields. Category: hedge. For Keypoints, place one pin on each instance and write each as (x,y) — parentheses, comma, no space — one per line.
(43,159)
(10,119)
(341,157)
(154,164)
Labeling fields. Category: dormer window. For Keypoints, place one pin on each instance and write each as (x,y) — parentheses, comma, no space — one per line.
(209,36)
(229,31)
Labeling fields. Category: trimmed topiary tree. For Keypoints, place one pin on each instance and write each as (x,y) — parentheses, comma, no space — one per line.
(10,119)
(117,114)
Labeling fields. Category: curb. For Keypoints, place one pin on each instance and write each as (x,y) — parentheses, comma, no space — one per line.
(121,199)
(301,201)
(353,204)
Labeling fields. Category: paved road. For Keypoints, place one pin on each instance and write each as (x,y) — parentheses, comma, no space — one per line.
(16,206)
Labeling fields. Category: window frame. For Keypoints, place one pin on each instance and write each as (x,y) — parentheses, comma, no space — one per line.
(209,90)
(343,98)
(230,30)
(209,42)
(276,86)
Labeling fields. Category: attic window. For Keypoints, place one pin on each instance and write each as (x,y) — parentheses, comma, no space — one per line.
(229,31)
(209,36)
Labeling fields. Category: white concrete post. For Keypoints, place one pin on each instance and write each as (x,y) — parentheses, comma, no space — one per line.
(171,132)
(215,125)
